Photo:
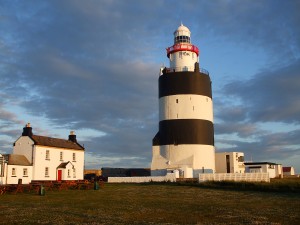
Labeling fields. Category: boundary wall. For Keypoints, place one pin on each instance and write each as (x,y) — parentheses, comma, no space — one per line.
(251,177)
(171,177)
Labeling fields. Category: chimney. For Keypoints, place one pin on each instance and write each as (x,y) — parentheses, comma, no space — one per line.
(27,130)
(72,136)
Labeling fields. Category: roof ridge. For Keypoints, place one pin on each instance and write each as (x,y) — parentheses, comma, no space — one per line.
(56,142)
(50,137)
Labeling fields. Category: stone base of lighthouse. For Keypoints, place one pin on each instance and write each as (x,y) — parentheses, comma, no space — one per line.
(188,160)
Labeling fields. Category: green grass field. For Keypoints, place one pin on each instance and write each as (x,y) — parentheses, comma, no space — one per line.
(151,204)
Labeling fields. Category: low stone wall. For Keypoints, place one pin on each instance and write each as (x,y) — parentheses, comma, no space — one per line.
(251,177)
(169,177)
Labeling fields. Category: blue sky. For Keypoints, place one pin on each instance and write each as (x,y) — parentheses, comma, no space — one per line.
(92,66)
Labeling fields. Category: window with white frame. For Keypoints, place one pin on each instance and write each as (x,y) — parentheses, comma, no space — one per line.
(69,173)
(13,172)
(46,171)
(25,172)
(74,157)
(61,156)
(74,173)
(47,155)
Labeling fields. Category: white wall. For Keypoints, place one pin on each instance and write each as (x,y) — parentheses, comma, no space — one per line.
(185,107)
(271,171)
(183,60)
(40,162)
(278,170)
(178,156)
(10,179)
(169,177)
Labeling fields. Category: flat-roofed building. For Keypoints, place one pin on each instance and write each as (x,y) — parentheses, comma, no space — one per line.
(274,169)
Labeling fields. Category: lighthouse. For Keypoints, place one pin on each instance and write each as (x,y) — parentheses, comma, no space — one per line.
(184,143)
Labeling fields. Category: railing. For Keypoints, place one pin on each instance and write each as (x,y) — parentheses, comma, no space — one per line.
(251,177)
(204,71)
(182,68)
(182,47)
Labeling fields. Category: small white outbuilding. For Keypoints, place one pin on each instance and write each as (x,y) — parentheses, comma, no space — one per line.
(288,171)
(274,169)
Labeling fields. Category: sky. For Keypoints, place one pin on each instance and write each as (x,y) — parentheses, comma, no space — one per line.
(92,66)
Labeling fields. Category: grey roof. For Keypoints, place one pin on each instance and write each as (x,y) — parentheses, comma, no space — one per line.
(55,142)
(20,160)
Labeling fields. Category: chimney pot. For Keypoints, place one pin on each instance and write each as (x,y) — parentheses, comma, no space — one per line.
(27,130)
(72,136)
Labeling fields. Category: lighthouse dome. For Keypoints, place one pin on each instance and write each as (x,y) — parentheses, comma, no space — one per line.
(182,34)
(182,30)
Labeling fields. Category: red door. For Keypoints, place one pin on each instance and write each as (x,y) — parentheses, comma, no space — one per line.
(59,175)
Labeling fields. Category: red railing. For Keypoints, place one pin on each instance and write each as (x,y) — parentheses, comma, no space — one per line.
(182,47)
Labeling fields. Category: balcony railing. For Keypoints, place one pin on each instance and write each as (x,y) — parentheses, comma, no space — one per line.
(182,69)
(204,71)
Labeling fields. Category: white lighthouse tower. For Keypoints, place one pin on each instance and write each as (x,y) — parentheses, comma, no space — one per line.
(185,140)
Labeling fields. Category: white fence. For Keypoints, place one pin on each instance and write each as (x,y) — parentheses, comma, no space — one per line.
(169,177)
(251,177)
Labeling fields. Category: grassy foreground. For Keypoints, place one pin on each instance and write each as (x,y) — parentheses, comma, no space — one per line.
(151,204)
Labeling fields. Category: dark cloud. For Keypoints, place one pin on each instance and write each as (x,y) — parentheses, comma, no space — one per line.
(242,130)
(271,96)
(277,145)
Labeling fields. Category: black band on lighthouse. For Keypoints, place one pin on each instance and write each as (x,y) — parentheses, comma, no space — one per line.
(184,83)
(184,131)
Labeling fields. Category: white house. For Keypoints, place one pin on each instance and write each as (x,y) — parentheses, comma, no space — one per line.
(230,162)
(274,170)
(43,158)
